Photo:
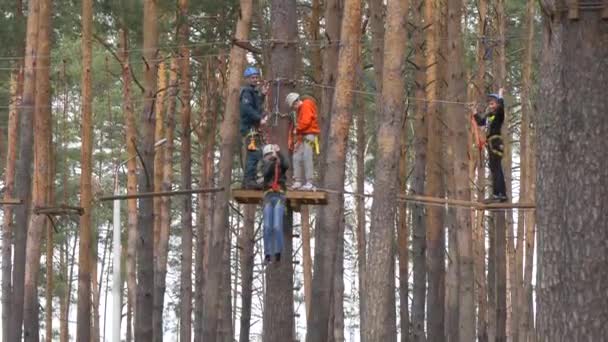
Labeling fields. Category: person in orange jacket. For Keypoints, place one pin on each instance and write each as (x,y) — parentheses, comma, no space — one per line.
(305,140)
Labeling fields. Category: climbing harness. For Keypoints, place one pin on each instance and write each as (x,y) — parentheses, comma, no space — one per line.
(275,182)
(498,150)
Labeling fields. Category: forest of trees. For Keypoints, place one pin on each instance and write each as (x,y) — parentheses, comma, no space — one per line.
(123,116)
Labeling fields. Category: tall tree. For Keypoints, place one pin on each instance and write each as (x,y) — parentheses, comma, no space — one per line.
(380,282)
(403,241)
(131,139)
(333,20)
(526,321)
(278,300)
(162,245)
(23,179)
(571,222)
(50,273)
(228,132)
(40,194)
(326,235)
(145,219)
(457,149)
(479,239)
(247,244)
(419,175)
(83,332)
(9,181)
(435,184)
(186,174)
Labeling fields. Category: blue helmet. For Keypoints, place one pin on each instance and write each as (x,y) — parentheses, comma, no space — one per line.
(250,71)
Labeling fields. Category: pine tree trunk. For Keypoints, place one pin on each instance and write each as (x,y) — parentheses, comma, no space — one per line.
(361,219)
(434,187)
(247,244)
(48,314)
(279,321)
(380,292)
(571,192)
(228,132)
(131,138)
(316,57)
(459,186)
(145,220)
(186,175)
(224,333)
(83,332)
(159,133)
(307,258)
(40,194)
(377,21)
(162,245)
(403,244)
(23,179)
(326,235)
(333,21)
(207,138)
(479,239)
(418,178)
(9,181)
(526,325)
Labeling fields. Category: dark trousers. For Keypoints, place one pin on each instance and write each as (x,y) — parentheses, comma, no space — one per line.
(251,159)
(495,151)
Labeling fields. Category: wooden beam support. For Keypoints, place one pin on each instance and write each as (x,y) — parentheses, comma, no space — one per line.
(60,210)
(295,198)
(10,201)
(160,194)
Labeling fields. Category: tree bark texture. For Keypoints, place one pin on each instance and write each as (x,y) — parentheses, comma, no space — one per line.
(247,244)
(458,159)
(228,132)
(145,219)
(40,193)
(435,184)
(83,331)
(131,138)
(307,258)
(333,24)
(8,225)
(279,322)
(162,245)
(23,179)
(49,290)
(419,175)
(526,325)
(403,242)
(571,179)
(380,292)
(186,175)
(327,234)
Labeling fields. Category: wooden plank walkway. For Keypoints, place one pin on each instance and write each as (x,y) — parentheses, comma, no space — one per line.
(295,198)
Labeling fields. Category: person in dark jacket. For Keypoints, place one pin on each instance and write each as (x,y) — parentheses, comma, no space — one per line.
(251,102)
(275,166)
(492,118)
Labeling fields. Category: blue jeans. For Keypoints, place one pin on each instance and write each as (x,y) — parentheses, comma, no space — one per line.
(274,210)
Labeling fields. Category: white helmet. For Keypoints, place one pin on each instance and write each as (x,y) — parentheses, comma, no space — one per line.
(291,99)
(270,148)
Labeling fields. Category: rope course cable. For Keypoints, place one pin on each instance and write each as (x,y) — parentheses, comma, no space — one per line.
(442,202)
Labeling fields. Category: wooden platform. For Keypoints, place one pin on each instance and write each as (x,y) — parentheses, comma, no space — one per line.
(295,198)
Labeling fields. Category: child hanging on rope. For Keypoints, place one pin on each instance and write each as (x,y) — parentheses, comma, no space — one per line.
(275,167)
(492,118)
(305,137)
(251,101)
